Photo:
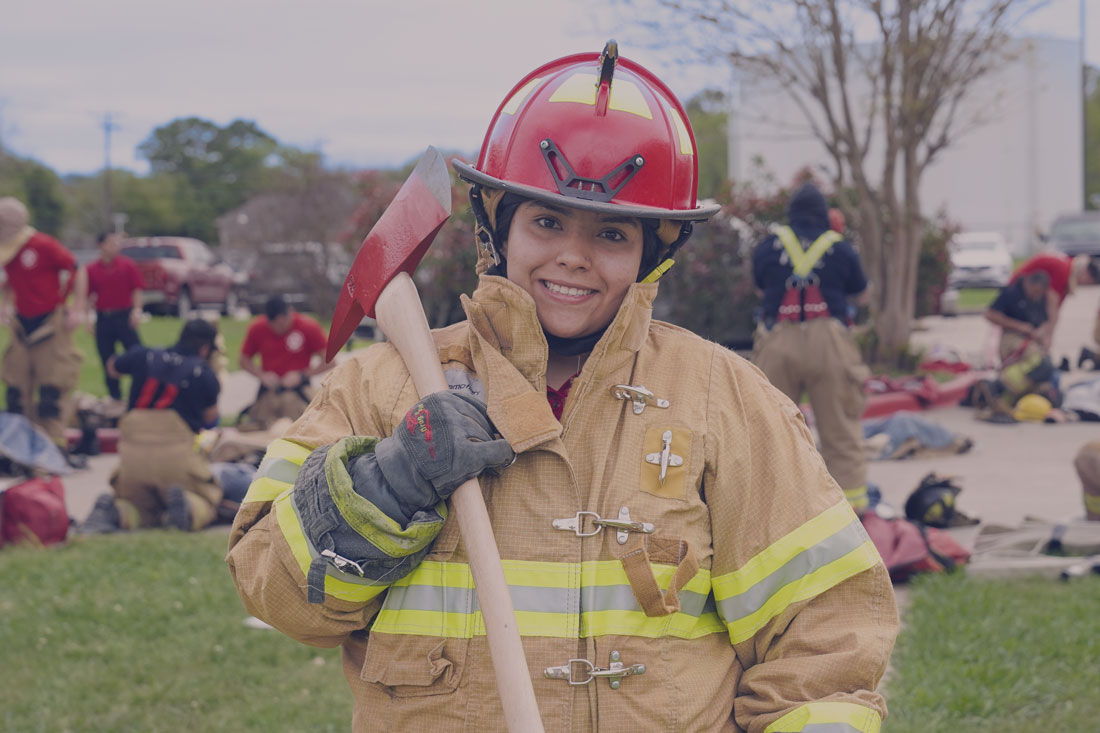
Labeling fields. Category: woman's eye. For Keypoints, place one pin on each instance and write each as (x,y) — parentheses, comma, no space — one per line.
(546,222)
(614,235)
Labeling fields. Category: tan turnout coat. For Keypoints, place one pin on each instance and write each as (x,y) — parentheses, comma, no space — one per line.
(782,600)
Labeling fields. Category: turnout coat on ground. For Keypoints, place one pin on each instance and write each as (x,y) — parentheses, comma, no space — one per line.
(756,597)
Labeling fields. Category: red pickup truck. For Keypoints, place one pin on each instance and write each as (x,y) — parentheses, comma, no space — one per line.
(181,274)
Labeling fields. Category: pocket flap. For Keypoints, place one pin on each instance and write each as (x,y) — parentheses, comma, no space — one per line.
(414,665)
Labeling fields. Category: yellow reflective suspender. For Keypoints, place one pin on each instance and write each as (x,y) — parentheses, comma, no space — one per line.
(803,261)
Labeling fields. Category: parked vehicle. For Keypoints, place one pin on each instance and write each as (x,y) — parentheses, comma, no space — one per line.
(979,260)
(1076,234)
(181,274)
(307,275)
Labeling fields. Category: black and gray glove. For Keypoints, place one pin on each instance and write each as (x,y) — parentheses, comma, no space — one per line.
(445,439)
(374,505)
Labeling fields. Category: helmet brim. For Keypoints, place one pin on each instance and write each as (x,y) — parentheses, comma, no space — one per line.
(471,174)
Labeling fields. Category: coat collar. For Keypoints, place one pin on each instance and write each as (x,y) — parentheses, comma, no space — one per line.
(509,354)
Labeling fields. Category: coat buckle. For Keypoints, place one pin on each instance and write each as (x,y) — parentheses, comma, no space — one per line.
(582,671)
(666,457)
(639,396)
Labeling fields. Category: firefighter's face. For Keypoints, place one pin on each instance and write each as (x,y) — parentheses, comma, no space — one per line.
(577,265)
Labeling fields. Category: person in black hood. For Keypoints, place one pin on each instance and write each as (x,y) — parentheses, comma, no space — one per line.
(807,273)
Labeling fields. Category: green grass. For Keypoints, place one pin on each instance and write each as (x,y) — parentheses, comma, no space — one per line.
(976,299)
(145,632)
(984,655)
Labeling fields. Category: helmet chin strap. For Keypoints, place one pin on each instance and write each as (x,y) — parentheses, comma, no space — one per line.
(667,262)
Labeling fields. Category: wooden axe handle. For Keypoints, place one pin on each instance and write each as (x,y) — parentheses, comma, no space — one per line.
(400,315)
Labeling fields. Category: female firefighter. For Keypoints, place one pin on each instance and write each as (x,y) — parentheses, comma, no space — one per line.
(677,554)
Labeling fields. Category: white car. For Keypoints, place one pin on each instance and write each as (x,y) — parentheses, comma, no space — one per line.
(979,260)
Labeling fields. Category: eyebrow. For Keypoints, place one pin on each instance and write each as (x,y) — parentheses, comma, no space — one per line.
(604,218)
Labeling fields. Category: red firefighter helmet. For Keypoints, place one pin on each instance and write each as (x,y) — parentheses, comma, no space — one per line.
(597,132)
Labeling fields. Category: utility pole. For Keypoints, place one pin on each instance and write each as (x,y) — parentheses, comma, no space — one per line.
(109,125)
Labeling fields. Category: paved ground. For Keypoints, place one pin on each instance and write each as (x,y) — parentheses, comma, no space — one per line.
(1013,470)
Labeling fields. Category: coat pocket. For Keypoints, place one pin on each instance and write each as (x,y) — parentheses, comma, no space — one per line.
(414,666)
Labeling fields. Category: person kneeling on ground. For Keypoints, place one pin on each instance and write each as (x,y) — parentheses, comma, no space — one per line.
(286,342)
(1021,311)
(161,480)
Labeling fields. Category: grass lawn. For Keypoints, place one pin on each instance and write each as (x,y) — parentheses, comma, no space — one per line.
(985,655)
(145,632)
(976,299)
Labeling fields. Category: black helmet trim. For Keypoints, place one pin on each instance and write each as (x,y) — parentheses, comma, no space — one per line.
(472,175)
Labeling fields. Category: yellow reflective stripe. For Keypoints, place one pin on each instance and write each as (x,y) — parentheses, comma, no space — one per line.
(808,586)
(682,132)
(580,88)
(828,717)
(354,590)
(265,489)
(288,450)
(779,553)
(551,600)
(627,97)
(1092,503)
(803,261)
(857,498)
(516,99)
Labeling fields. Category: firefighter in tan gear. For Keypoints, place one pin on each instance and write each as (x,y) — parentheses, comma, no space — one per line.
(1087,464)
(678,556)
(161,479)
(41,364)
(807,272)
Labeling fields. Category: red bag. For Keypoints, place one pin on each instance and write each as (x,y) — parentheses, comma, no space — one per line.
(34,511)
(907,548)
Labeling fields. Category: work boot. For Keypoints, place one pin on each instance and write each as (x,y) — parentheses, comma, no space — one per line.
(103,519)
(1088,357)
(178,511)
(1063,366)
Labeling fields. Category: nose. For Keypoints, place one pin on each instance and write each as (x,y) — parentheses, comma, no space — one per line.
(574,253)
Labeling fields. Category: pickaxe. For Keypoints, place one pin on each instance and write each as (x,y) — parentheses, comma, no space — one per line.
(379,285)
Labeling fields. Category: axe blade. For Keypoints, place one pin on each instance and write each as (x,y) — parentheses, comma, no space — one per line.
(396,243)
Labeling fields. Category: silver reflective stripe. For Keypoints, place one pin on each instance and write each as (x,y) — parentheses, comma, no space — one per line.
(827,728)
(448,599)
(799,566)
(279,469)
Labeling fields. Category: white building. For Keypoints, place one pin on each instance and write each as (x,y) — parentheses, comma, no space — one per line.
(1019,165)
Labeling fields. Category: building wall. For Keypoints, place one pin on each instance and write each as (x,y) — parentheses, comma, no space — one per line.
(1017,164)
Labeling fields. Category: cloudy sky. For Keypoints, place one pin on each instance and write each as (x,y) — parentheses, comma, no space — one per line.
(368,82)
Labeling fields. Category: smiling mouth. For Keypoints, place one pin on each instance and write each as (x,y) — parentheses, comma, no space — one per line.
(565,290)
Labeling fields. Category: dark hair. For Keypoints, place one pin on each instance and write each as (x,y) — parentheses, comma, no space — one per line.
(1037,278)
(506,211)
(103,237)
(197,333)
(1094,270)
(275,306)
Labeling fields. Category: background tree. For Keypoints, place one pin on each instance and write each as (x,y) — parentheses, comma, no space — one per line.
(218,168)
(880,83)
(38,187)
(1092,137)
(709,117)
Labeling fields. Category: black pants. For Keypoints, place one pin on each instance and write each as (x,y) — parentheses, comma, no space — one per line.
(112,327)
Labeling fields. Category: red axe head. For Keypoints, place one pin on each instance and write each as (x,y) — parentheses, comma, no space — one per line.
(396,243)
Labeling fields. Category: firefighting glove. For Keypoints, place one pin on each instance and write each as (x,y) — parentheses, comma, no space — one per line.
(445,439)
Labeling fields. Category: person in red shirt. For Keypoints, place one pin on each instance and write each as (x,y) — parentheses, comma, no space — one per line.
(1065,273)
(114,283)
(41,363)
(286,343)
